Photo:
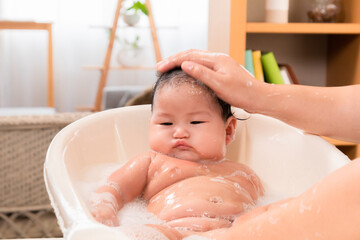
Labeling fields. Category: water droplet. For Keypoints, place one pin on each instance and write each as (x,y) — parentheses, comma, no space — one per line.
(216,199)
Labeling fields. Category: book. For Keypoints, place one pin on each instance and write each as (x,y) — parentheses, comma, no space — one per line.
(271,68)
(290,72)
(258,69)
(249,61)
(285,75)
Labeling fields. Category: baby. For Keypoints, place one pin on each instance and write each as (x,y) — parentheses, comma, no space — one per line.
(185,178)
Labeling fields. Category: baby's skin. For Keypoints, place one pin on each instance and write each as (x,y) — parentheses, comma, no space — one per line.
(196,196)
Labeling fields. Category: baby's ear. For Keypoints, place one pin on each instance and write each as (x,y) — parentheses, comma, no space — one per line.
(230,128)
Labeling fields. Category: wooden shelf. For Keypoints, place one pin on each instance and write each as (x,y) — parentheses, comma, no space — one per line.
(24,25)
(120,68)
(104,69)
(304,28)
(138,27)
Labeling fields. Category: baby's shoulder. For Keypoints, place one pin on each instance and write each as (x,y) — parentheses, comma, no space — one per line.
(145,155)
(229,165)
(227,162)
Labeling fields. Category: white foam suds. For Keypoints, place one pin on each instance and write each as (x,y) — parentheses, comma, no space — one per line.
(136,213)
(138,231)
(196,237)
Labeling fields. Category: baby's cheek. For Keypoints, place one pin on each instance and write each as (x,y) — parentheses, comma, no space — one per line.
(216,148)
(158,142)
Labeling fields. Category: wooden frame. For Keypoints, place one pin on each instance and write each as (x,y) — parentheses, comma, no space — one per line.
(13,25)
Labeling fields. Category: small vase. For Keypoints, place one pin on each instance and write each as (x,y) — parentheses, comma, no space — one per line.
(131,19)
(130,56)
(277,11)
(325,11)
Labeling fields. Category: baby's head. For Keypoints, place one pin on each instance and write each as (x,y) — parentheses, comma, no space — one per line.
(188,120)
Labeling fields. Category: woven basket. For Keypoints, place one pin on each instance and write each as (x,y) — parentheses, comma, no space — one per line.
(25,210)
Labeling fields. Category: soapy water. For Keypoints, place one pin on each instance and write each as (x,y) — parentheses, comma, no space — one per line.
(134,217)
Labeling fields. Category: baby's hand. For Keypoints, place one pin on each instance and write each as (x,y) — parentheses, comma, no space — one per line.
(104,208)
(106,215)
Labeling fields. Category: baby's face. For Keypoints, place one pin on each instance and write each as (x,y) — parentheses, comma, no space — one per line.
(186,123)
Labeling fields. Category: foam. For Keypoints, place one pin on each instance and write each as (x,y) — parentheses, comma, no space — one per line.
(134,217)
(196,237)
(138,231)
(136,212)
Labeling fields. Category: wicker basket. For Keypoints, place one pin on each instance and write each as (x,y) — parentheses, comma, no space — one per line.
(25,210)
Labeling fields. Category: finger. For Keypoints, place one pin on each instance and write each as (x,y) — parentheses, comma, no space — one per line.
(202,73)
(199,56)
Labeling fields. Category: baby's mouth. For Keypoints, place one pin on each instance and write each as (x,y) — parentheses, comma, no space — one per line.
(181,145)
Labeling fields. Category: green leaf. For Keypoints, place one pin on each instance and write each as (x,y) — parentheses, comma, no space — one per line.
(139,6)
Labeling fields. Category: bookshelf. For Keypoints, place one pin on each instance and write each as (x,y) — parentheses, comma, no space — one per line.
(342,41)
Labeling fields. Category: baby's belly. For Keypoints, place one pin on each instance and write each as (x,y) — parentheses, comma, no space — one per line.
(201,196)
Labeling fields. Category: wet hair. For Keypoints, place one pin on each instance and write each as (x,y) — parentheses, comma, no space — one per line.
(176,76)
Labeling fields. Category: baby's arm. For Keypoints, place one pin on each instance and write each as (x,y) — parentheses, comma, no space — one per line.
(122,186)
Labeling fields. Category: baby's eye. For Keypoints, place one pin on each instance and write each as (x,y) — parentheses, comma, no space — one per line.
(166,123)
(196,122)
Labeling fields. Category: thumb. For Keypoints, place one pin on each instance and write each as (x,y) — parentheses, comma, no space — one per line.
(201,73)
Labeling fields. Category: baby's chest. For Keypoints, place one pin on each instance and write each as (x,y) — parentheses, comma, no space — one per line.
(165,173)
(172,169)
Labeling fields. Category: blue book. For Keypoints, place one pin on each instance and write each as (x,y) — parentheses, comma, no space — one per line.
(249,61)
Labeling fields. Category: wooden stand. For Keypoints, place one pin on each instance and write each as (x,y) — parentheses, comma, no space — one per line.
(105,69)
(38,26)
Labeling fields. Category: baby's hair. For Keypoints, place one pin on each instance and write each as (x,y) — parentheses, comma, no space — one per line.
(176,76)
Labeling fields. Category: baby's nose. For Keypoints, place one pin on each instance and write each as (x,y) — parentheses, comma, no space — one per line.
(181,132)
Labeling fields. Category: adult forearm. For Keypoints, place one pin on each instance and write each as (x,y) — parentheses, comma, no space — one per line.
(327,111)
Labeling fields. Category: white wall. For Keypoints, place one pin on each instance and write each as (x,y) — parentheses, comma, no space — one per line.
(182,25)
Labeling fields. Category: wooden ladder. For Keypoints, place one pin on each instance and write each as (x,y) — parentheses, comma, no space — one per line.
(106,66)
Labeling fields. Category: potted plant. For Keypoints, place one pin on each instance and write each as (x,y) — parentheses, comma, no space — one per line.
(131,53)
(132,15)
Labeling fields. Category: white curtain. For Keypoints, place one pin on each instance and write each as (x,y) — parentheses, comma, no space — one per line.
(79,39)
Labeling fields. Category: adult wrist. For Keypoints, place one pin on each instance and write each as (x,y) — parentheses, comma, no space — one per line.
(256,99)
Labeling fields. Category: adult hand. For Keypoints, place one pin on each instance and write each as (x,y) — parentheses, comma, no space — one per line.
(228,79)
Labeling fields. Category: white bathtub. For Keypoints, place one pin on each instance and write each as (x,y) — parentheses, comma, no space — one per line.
(287,160)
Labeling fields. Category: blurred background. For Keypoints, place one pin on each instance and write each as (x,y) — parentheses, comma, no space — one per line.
(80,37)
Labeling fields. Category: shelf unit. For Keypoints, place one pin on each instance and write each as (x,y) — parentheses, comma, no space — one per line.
(104,69)
(343,46)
